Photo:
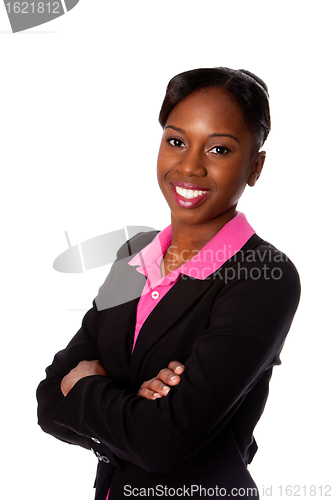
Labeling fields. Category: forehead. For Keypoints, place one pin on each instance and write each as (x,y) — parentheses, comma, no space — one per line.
(208,108)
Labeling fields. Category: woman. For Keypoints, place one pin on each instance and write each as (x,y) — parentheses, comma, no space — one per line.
(168,375)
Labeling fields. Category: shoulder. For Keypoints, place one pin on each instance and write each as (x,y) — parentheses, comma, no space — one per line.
(266,256)
(258,291)
(258,254)
(136,243)
(261,269)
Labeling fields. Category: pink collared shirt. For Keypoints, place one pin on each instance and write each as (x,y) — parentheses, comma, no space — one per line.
(226,243)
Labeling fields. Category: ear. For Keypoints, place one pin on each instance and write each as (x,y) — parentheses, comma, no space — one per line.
(256,167)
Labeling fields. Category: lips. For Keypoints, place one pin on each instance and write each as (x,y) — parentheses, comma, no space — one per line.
(189,185)
(188,195)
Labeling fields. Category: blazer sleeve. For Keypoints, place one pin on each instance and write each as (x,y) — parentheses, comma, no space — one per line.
(83,346)
(49,395)
(247,328)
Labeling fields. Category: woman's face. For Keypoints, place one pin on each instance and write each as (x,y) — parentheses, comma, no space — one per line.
(206,158)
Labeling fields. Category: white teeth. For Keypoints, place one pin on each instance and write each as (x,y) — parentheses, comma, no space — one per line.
(189,193)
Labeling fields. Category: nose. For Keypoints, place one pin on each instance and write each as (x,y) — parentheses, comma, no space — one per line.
(192,164)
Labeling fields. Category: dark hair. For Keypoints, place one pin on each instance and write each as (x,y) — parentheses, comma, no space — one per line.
(249,92)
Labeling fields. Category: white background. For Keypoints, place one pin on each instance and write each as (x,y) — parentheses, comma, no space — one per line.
(79,135)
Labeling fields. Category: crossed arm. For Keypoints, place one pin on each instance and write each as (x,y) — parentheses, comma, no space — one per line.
(236,348)
(154,388)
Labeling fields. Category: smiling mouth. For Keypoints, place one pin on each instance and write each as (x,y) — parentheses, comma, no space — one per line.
(186,197)
(189,193)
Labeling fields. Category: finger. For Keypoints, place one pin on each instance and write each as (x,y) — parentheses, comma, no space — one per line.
(157,386)
(168,376)
(176,367)
(145,392)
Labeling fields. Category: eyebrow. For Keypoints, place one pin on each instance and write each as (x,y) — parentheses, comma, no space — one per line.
(182,131)
(225,135)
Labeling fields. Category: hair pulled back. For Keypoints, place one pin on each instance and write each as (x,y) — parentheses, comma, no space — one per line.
(248,91)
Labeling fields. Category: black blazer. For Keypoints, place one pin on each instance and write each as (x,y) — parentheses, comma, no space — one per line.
(227,329)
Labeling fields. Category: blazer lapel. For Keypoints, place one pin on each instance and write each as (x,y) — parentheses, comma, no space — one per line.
(179,299)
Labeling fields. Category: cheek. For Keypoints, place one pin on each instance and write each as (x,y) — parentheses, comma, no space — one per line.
(163,164)
(160,173)
(159,169)
(232,179)
(159,163)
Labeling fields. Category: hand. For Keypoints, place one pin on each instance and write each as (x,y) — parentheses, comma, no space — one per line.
(83,369)
(158,387)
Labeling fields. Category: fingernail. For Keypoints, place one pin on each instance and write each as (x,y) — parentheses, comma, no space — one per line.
(174,377)
(165,388)
(157,395)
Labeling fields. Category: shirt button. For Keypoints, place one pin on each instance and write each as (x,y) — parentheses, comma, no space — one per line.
(155,295)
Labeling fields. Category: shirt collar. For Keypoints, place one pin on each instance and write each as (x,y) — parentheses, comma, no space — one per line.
(226,243)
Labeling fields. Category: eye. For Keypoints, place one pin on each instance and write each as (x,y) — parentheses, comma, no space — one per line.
(176,143)
(219,150)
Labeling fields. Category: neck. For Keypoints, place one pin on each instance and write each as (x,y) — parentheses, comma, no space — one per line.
(193,237)
(189,239)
